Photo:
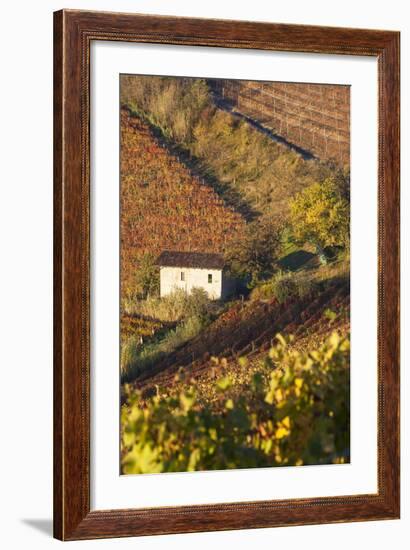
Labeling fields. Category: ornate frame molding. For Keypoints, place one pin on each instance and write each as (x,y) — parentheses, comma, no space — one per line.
(73,33)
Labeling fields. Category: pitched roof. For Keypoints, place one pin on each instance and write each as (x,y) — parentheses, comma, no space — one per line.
(170,258)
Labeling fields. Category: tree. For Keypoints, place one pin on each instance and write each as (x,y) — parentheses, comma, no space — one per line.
(147,276)
(320,215)
(253,254)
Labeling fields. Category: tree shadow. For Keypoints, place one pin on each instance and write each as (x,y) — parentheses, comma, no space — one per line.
(230,107)
(296,260)
(231,197)
(45,526)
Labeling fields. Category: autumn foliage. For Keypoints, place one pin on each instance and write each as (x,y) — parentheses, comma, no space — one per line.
(320,214)
(212,384)
(253,173)
(163,206)
(297,414)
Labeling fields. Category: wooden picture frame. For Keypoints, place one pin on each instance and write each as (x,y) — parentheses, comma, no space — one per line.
(73,33)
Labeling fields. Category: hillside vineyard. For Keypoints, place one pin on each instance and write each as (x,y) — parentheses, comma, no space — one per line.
(163,206)
(235,274)
(310,116)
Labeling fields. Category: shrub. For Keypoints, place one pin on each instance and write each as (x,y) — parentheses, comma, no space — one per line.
(284,286)
(172,104)
(135,359)
(147,276)
(175,306)
(130,351)
(262,292)
(299,415)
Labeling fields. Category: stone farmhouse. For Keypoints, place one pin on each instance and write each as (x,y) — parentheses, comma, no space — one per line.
(188,270)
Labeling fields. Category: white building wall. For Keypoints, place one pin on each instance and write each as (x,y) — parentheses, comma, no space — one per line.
(170,280)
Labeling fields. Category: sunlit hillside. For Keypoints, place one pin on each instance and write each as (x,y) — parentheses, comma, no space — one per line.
(163,206)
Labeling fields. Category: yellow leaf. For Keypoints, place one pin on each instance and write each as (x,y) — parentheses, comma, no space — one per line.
(243,361)
(224,383)
(281,432)
(213,434)
(334,339)
(269,398)
(187,401)
(286,422)
(278,395)
(298,382)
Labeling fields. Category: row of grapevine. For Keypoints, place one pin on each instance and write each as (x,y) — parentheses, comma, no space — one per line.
(248,329)
(315,117)
(163,206)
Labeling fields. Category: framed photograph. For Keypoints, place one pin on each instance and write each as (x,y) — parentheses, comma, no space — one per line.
(226,275)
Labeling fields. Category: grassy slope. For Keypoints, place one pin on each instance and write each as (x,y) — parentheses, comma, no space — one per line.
(252,172)
(314,117)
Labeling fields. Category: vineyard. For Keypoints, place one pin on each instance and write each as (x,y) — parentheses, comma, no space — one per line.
(292,409)
(252,172)
(257,172)
(163,206)
(314,117)
(137,326)
(247,330)
(254,398)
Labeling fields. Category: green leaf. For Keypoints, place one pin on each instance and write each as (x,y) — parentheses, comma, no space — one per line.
(224,383)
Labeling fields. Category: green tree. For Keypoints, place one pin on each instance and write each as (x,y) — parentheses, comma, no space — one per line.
(320,215)
(253,255)
(147,276)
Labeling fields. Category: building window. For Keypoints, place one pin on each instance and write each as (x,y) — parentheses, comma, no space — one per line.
(182,276)
(209,277)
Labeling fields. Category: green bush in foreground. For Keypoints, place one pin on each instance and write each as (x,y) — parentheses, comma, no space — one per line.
(299,414)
